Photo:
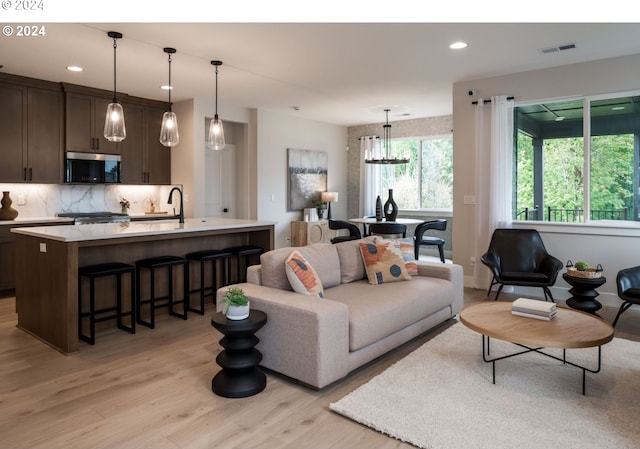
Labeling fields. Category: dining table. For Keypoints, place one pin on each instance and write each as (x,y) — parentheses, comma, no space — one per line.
(366,221)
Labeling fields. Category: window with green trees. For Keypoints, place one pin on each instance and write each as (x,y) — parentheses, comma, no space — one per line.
(426,182)
(564,174)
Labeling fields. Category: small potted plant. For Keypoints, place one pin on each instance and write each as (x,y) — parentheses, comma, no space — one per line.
(235,304)
(125,205)
(320,206)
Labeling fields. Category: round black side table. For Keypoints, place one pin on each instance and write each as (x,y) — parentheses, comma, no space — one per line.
(584,293)
(240,375)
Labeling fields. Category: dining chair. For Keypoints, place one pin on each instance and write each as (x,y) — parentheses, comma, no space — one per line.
(354,231)
(388,229)
(439,224)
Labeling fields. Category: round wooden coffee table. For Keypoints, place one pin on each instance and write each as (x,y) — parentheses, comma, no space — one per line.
(569,329)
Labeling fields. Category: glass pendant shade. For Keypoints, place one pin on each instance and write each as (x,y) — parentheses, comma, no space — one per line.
(169,136)
(114,129)
(216,134)
(215,139)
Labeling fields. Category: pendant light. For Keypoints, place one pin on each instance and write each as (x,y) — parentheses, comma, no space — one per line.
(114,129)
(216,131)
(169,136)
(385,157)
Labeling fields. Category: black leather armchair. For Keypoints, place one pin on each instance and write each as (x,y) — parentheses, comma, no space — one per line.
(628,281)
(518,257)
(354,231)
(420,239)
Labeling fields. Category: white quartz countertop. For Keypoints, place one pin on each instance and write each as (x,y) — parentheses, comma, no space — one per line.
(27,221)
(88,232)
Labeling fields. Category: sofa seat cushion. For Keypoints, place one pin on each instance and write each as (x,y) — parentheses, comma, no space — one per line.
(377,311)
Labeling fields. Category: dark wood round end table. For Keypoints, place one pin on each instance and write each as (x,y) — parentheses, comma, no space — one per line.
(240,376)
(584,293)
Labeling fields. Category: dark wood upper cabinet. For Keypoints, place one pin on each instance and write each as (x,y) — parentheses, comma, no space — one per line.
(85,124)
(45,155)
(40,120)
(31,126)
(144,159)
(157,157)
(13,114)
(133,146)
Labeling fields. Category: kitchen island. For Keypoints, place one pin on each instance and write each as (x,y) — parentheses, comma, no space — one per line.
(47,260)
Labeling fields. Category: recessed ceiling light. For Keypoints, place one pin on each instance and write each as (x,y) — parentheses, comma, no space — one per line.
(559,118)
(458,45)
(617,108)
(74,68)
(165,87)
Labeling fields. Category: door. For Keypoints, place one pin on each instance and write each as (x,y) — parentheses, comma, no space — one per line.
(220,190)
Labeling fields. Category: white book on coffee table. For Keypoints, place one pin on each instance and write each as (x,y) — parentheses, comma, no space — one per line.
(523,304)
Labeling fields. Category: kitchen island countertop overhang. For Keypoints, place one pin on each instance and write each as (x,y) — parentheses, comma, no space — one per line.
(101,231)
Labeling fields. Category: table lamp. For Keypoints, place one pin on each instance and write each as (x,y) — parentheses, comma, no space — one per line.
(329,197)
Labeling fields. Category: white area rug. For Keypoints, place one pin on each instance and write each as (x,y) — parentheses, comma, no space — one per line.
(441,397)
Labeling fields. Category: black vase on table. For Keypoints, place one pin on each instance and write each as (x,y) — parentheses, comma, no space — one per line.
(390,208)
(378,209)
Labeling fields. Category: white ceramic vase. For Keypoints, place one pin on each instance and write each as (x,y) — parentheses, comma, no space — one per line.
(238,312)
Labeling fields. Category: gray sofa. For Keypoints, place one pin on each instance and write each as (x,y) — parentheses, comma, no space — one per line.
(318,341)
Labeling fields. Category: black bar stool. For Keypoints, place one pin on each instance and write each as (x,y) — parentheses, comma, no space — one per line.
(243,253)
(100,270)
(213,256)
(152,264)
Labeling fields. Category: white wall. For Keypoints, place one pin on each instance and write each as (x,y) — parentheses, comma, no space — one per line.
(613,248)
(274,134)
(187,158)
(261,162)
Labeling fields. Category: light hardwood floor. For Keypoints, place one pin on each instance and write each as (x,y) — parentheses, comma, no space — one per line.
(153,389)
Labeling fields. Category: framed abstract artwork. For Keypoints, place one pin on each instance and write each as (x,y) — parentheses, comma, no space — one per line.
(307,171)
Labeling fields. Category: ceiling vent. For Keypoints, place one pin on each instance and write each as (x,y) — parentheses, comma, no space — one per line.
(557,48)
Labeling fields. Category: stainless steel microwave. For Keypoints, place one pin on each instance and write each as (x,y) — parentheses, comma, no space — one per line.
(92,168)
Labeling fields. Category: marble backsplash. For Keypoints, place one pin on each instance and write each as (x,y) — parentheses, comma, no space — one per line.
(48,200)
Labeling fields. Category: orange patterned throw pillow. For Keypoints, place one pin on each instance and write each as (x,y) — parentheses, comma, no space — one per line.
(384,262)
(302,277)
(406,250)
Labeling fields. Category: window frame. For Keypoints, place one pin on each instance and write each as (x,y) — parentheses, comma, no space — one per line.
(420,140)
(592,225)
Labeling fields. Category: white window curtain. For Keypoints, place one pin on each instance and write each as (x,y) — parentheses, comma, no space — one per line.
(371,179)
(494,173)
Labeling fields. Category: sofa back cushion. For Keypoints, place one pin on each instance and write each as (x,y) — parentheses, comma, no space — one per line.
(323,257)
(351,264)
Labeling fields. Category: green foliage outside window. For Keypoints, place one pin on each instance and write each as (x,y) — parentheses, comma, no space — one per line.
(426,182)
(612,163)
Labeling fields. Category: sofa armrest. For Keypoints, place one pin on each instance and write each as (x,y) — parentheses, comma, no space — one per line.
(254,274)
(305,338)
(450,272)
